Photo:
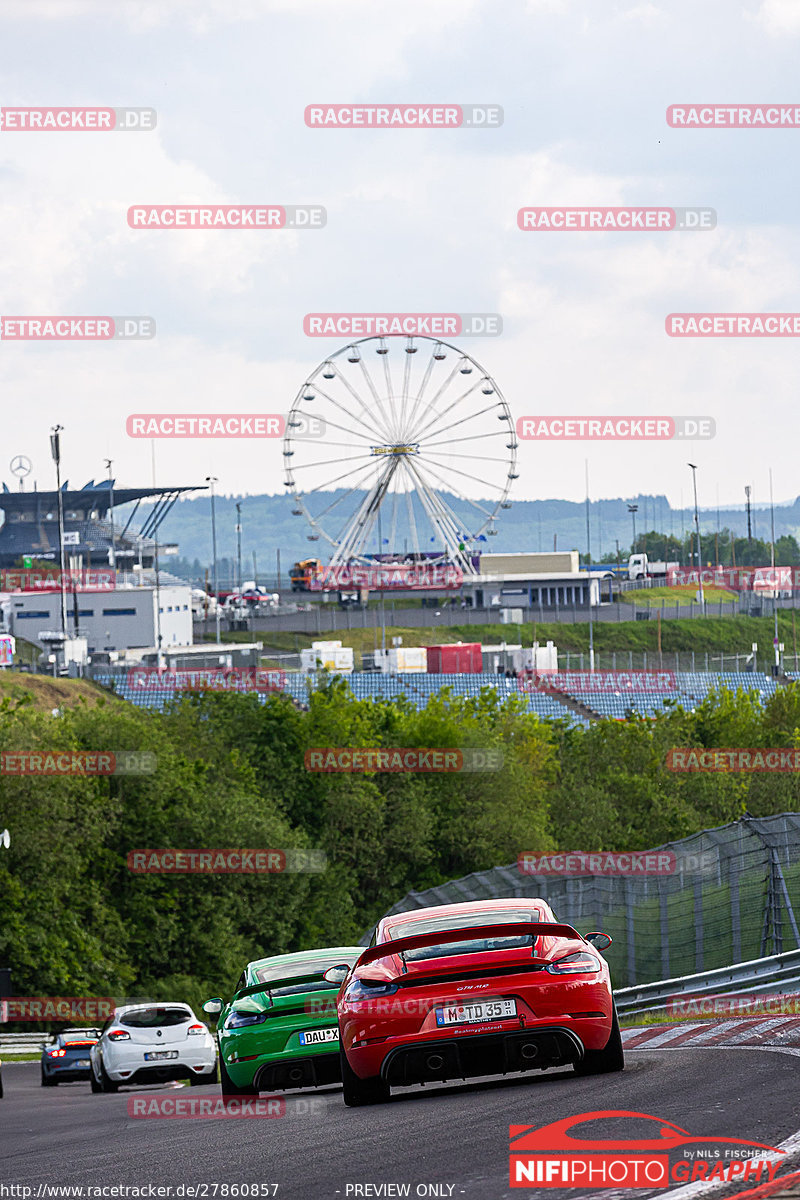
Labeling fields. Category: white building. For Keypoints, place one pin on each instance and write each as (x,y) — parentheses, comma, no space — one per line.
(125,618)
(534,580)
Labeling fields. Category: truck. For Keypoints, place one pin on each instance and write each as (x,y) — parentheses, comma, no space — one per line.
(303,574)
(640,567)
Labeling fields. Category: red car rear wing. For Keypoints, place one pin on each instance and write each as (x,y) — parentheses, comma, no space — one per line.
(441,937)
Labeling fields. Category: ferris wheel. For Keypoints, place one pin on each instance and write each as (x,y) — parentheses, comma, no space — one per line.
(416,457)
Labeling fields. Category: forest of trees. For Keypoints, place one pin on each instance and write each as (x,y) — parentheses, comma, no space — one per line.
(231,774)
(717,549)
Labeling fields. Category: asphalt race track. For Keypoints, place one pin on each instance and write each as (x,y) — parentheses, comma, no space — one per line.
(455,1137)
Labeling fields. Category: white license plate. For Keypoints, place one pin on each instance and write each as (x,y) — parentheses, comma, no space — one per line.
(159,1054)
(313,1037)
(82,1062)
(484,1010)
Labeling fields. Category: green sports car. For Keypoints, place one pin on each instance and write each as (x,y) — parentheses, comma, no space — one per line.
(280,1029)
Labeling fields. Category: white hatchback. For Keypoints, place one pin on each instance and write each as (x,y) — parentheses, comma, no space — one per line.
(152,1043)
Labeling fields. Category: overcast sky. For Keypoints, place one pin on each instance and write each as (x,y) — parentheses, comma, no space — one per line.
(418,221)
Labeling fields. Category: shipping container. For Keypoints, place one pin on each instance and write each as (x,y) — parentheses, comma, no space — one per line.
(330,656)
(455,658)
(402,658)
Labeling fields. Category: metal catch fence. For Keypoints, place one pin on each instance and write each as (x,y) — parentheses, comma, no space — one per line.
(732,895)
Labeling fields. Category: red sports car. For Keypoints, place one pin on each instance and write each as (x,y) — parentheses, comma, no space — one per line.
(464,990)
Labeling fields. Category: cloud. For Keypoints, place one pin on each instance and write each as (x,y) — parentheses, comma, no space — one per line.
(778,17)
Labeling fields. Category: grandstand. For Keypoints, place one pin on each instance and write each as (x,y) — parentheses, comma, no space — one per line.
(30,524)
(417,688)
(692,687)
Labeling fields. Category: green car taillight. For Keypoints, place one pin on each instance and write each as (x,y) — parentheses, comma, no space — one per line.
(238,1020)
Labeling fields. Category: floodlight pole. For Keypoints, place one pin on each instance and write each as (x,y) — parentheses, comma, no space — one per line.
(633,509)
(697,528)
(589,572)
(239,546)
(775,641)
(212,479)
(55,450)
(108,462)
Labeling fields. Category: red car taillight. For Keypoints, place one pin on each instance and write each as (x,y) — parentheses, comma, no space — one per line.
(196,1030)
(579,963)
(118,1035)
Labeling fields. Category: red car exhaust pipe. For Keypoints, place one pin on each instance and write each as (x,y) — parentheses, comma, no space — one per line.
(434,1062)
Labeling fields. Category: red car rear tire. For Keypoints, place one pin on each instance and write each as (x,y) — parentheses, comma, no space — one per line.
(360,1092)
(610,1058)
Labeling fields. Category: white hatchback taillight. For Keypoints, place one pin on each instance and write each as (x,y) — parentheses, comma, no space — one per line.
(118,1035)
(196,1030)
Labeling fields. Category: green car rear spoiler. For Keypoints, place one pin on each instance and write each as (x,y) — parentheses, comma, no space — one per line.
(267,988)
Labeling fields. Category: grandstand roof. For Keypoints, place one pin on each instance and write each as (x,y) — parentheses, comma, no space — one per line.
(99,495)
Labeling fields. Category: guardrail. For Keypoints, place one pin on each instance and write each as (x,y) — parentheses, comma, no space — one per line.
(747,978)
(23,1043)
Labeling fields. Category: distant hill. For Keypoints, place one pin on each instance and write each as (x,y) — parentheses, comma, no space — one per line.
(268,526)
